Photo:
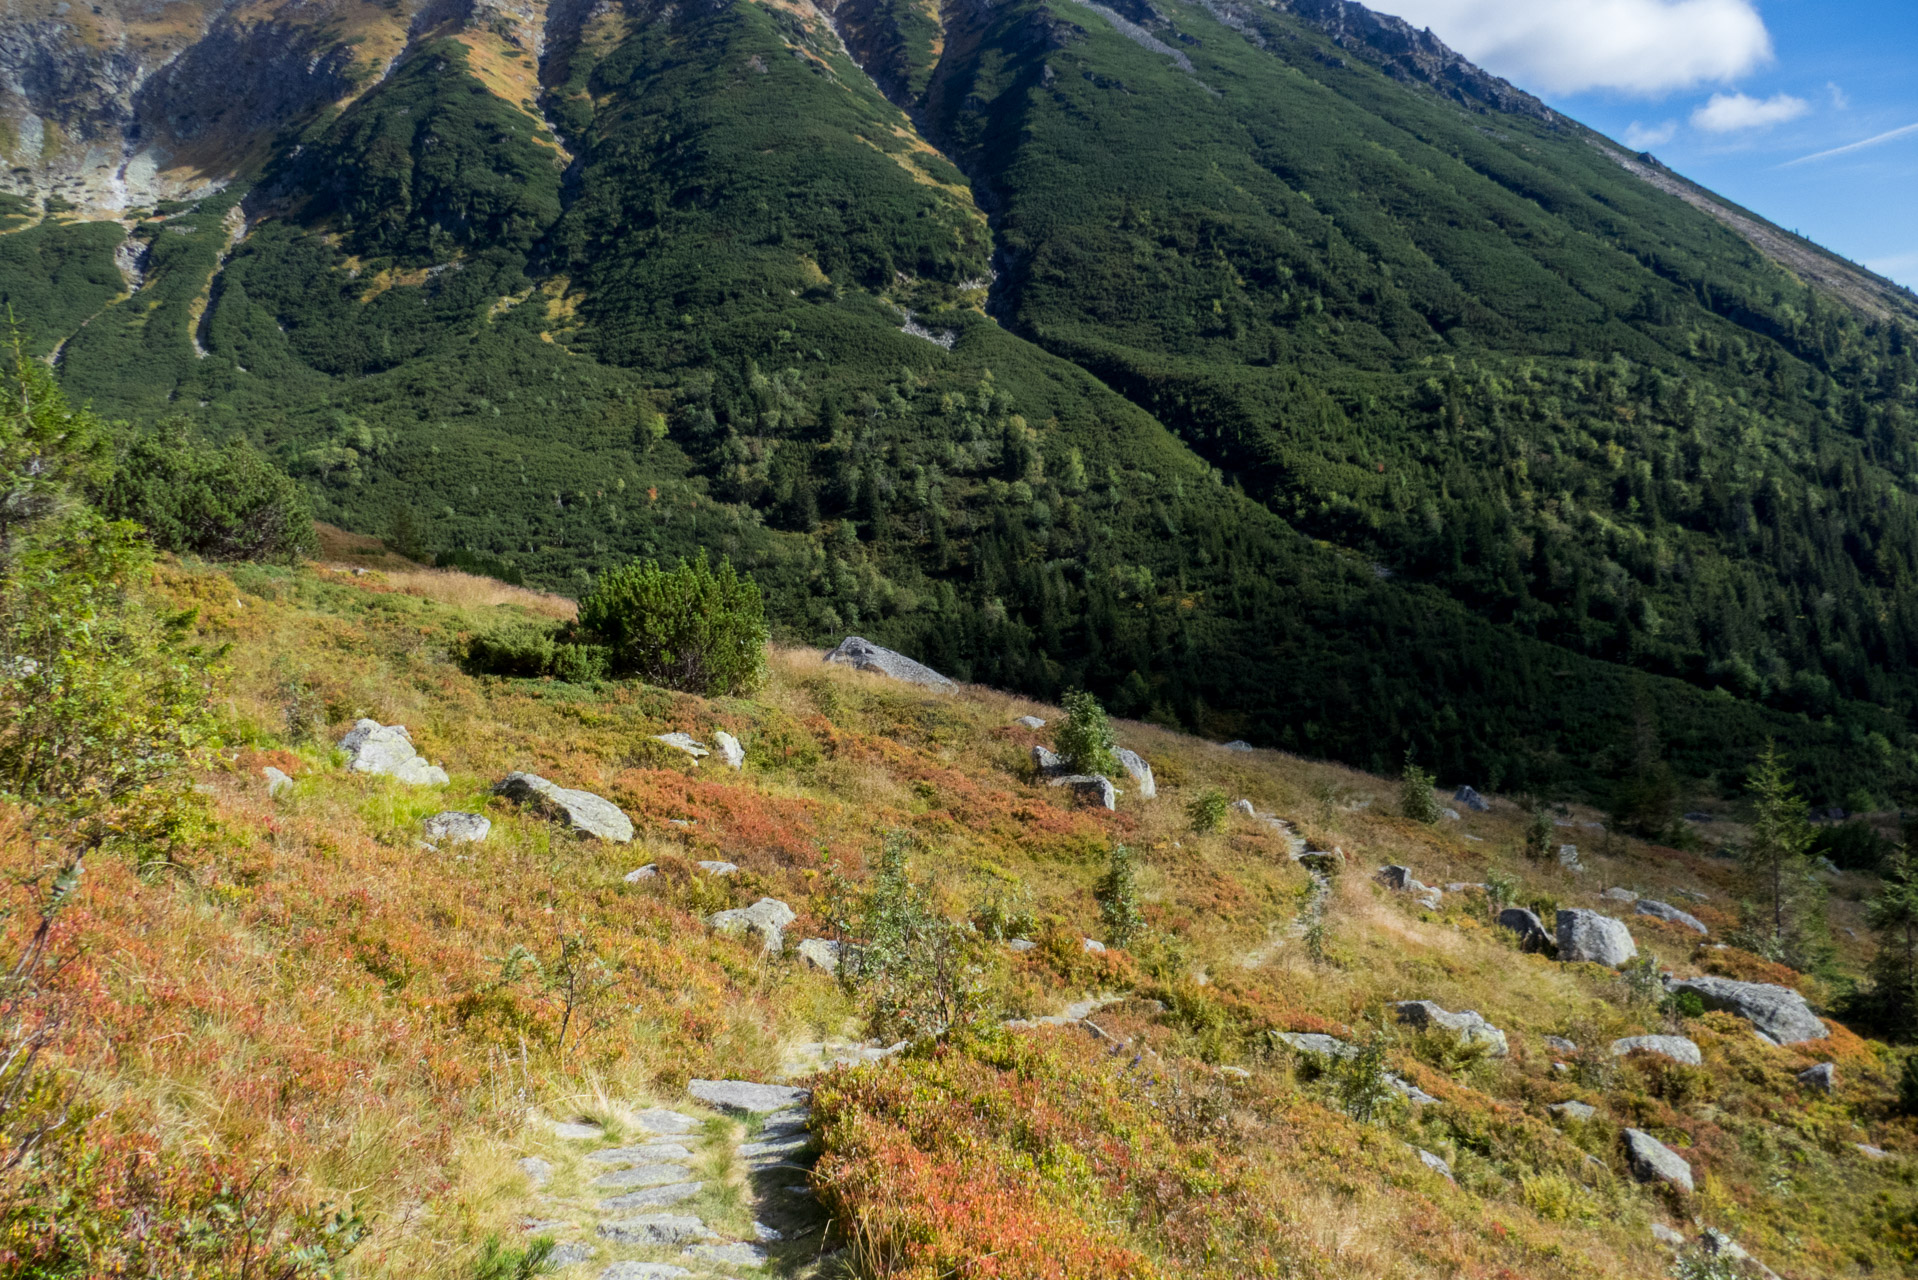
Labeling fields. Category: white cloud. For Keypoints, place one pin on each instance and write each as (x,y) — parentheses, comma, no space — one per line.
(1840,100)
(1640,137)
(1569,46)
(1734,112)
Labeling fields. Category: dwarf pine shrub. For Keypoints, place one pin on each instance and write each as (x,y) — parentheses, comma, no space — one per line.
(1416,798)
(1208,810)
(1085,740)
(1119,897)
(693,628)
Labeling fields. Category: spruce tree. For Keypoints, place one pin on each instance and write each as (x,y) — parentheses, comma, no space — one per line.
(1784,910)
(1893,915)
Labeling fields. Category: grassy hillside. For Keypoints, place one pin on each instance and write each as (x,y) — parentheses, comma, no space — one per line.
(304,1028)
(1253,385)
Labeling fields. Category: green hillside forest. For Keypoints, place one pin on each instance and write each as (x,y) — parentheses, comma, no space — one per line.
(1264,369)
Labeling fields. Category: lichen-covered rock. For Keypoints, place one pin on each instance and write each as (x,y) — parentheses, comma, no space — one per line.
(1671,914)
(1091,788)
(767,918)
(1436,1164)
(715,868)
(277,782)
(1469,1025)
(387,750)
(637,874)
(863,655)
(1244,807)
(1030,722)
(1140,772)
(822,953)
(1587,935)
(1315,1044)
(1471,799)
(1396,877)
(585,812)
(1092,946)
(1778,1012)
(656,1229)
(1573,1110)
(652,1197)
(1047,761)
(1822,1077)
(729,749)
(1526,924)
(455,827)
(1677,1048)
(1653,1161)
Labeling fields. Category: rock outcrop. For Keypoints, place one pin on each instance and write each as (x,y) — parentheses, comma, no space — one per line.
(863,655)
(1140,773)
(729,749)
(767,918)
(1653,1161)
(454,827)
(1091,788)
(387,750)
(1587,935)
(1468,1025)
(1664,911)
(1778,1012)
(583,811)
(1471,799)
(1677,1048)
(1529,928)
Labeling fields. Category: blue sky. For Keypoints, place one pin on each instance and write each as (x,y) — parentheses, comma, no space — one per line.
(1747,97)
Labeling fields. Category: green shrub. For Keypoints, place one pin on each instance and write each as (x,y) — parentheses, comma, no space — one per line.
(1416,798)
(532,649)
(220,502)
(1207,810)
(1538,835)
(1119,897)
(692,628)
(911,968)
(1085,740)
(1908,1086)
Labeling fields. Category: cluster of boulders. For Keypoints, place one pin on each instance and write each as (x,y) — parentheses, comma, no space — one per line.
(1094,788)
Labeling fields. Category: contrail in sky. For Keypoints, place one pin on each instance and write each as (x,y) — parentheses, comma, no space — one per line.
(1852,146)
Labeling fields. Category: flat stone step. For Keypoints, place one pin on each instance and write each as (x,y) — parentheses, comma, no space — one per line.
(635,1155)
(570,1253)
(645,1175)
(744,1097)
(665,1121)
(783,1147)
(739,1255)
(577,1130)
(656,1228)
(643,1271)
(652,1197)
(782,1124)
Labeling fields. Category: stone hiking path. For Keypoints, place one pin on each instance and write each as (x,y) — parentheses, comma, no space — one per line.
(658,1193)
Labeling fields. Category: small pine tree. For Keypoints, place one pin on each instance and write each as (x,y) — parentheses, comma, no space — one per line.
(1538,835)
(1085,740)
(1416,798)
(1893,915)
(1208,810)
(1784,915)
(694,628)
(1119,897)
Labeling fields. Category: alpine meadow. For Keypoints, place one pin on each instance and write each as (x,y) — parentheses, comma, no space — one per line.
(931,638)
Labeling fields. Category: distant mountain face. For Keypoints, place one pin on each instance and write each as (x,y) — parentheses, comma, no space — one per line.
(1266,367)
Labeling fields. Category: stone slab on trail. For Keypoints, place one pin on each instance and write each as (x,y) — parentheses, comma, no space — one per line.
(745,1097)
(652,1197)
(651,1151)
(642,1175)
(664,1120)
(656,1228)
(643,1271)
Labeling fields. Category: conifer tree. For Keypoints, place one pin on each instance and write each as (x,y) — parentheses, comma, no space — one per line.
(1784,911)
(1893,915)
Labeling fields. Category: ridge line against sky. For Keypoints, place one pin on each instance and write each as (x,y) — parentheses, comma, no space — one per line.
(1805,111)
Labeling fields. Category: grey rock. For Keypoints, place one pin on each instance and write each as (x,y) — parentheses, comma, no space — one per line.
(1822,1077)
(1677,1048)
(1573,1110)
(863,655)
(1429,897)
(1526,924)
(387,750)
(578,1130)
(1450,815)
(642,1175)
(1778,1012)
(684,742)
(1764,1039)
(569,1254)
(277,782)
(782,1147)
(1616,894)
(643,1271)
(1316,1044)
(1237,744)
(1463,886)
(1690,895)
(822,953)
(1668,1237)
(1093,788)
(1829,867)
(1587,935)
(1700,817)
(1671,914)
(652,1197)
(583,811)
(1140,773)
(729,749)
(783,1124)
(1021,944)
(1653,1161)
(1244,807)
(1030,722)
(1559,1044)
(1568,855)
(538,1172)
(767,918)
(743,1097)
(543,1226)
(644,1152)
(661,1120)
(656,1228)
(715,868)
(739,1255)
(1872,1153)
(1409,1091)
(1396,877)
(1714,1243)
(1092,945)
(1468,1025)
(455,827)
(637,874)
(1047,762)
(766,1234)
(1471,799)
(1436,1165)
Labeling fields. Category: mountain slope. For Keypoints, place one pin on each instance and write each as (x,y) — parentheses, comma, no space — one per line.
(566,285)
